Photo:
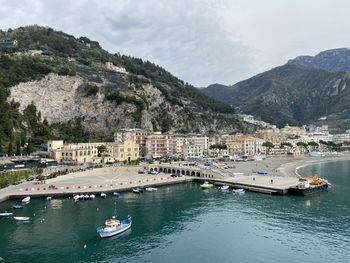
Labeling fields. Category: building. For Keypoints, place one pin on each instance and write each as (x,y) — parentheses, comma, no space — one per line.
(89,152)
(245,145)
(159,145)
(138,135)
(110,66)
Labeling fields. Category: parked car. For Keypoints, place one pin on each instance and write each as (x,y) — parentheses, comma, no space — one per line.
(173,175)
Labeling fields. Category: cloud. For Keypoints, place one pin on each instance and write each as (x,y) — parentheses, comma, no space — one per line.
(200,41)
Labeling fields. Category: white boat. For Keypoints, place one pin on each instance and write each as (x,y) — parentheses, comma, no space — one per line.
(26,200)
(103,195)
(49,198)
(206,185)
(21,218)
(114,227)
(138,190)
(224,188)
(5,214)
(151,189)
(238,191)
(92,196)
(86,196)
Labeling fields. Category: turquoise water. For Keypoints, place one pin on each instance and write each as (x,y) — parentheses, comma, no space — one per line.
(182,223)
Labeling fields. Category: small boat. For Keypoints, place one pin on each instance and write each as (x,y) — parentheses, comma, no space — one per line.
(224,188)
(5,214)
(86,197)
(103,195)
(76,197)
(115,194)
(92,196)
(17,206)
(151,189)
(238,191)
(138,190)
(49,198)
(26,200)
(114,227)
(21,218)
(206,185)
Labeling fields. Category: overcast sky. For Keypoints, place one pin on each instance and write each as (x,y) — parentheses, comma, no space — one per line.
(199,41)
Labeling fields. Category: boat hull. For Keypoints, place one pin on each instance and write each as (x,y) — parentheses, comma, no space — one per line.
(309,190)
(103,233)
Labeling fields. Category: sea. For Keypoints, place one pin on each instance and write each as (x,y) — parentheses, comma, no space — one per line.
(183,223)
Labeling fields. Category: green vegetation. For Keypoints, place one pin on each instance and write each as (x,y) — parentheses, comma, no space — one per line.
(218,146)
(7,178)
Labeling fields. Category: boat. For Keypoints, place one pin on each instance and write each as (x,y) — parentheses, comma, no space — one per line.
(92,196)
(206,185)
(138,190)
(224,188)
(5,214)
(115,194)
(114,227)
(49,198)
(26,200)
(307,186)
(103,195)
(21,218)
(17,206)
(151,189)
(76,197)
(238,191)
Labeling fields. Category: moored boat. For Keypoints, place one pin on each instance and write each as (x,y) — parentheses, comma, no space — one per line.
(138,190)
(17,206)
(114,227)
(206,185)
(49,198)
(103,195)
(115,194)
(151,189)
(238,191)
(5,214)
(92,196)
(26,199)
(224,188)
(21,218)
(307,186)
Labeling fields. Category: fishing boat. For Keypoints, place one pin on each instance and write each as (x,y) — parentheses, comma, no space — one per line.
(138,190)
(151,189)
(307,186)
(103,195)
(5,214)
(115,194)
(17,206)
(21,218)
(26,200)
(114,227)
(206,185)
(238,191)
(224,188)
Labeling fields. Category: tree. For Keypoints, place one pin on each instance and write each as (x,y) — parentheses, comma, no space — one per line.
(101,150)
(29,148)
(313,145)
(1,145)
(18,145)
(10,148)
(268,145)
(288,144)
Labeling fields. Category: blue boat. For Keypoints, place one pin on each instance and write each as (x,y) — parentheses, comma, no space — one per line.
(115,194)
(114,227)
(16,206)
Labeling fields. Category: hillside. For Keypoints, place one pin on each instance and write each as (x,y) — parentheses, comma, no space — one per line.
(292,93)
(330,60)
(55,85)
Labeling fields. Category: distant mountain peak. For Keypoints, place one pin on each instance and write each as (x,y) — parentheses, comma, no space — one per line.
(332,60)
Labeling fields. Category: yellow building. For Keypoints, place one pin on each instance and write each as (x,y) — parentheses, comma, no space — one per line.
(88,152)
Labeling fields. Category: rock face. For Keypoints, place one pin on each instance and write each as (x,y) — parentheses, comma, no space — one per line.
(59,100)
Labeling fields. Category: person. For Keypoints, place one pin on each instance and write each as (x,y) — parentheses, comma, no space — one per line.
(271,181)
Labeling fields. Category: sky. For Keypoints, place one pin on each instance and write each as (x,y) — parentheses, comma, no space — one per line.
(200,41)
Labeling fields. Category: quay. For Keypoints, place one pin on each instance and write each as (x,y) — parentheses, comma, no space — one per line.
(124,178)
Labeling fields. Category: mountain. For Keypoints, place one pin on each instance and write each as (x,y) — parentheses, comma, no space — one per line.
(53,85)
(296,93)
(331,60)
